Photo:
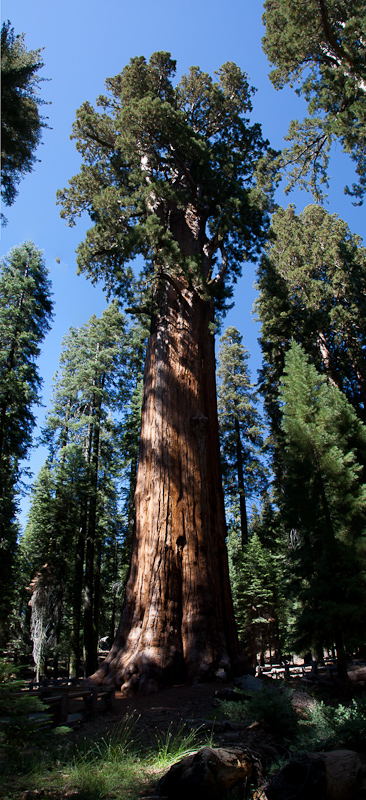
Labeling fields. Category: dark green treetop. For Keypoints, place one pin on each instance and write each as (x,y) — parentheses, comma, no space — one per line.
(91,375)
(256,579)
(25,313)
(163,166)
(21,122)
(319,45)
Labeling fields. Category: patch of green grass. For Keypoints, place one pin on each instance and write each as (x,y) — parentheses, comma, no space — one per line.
(175,745)
(112,768)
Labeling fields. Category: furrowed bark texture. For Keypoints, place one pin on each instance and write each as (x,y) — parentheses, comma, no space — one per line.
(178,622)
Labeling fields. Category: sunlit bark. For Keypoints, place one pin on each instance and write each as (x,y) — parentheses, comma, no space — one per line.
(178,620)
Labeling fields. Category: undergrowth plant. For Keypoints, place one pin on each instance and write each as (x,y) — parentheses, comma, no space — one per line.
(21,713)
(270,706)
(175,745)
(327,727)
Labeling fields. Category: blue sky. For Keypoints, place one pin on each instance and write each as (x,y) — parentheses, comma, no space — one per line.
(85,42)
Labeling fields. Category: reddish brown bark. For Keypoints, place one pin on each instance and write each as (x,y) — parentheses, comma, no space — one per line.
(178,622)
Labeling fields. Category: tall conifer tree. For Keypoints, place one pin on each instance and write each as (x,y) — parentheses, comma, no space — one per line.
(21,121)
(240,427)
(323,505)
(169,172)
(25,313)
(311,281)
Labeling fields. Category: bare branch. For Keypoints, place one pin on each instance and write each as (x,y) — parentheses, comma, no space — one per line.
(224,265)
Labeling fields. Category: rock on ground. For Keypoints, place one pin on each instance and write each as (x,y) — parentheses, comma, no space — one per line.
(337,775)
(205,775)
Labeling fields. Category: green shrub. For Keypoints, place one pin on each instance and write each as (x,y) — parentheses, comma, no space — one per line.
(327,727)
(20,715)
(270,706)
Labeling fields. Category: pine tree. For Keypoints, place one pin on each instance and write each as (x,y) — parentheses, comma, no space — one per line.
(168,172)
(25,313)
(257,581)
(21,122)
(240,428)
(311,283)
(90,384)
(318,45)
(131,427)
(76,512)
(323,506)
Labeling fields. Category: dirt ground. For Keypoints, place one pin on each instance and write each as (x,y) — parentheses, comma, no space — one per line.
(190,706)
(184,709)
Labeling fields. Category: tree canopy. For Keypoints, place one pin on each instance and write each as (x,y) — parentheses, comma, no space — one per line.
(311,281)
(21,121)
(160,161)
(319,45)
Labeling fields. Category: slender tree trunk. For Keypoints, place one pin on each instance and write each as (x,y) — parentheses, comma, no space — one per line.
(89,631)
(75,647)
(240,473)
(178,620)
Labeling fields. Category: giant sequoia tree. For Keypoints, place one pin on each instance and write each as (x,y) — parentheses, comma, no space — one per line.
(168,172)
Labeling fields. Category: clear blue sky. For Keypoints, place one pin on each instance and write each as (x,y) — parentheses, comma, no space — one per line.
(85,42)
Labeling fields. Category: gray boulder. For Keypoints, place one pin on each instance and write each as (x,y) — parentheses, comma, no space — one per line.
(248,683)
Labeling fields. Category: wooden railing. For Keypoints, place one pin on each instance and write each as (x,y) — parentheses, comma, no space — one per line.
(68,703)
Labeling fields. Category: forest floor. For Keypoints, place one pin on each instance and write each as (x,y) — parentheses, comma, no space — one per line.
(197,706)
(174,711)
(191,706)
(122,753)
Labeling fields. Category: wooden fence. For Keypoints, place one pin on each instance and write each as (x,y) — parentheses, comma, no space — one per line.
(69,703)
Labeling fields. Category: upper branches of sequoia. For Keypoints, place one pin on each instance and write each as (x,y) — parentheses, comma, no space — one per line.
(174,173)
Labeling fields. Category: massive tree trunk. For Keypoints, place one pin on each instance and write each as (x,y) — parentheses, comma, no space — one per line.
(177,623)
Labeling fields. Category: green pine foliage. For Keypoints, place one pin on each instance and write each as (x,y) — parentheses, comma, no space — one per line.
(323,506)
(21,122)
(25,313)
(81,516)
(19,723)
(311,281)
(311,294)
(318,46)
(259,585)
(151,149)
